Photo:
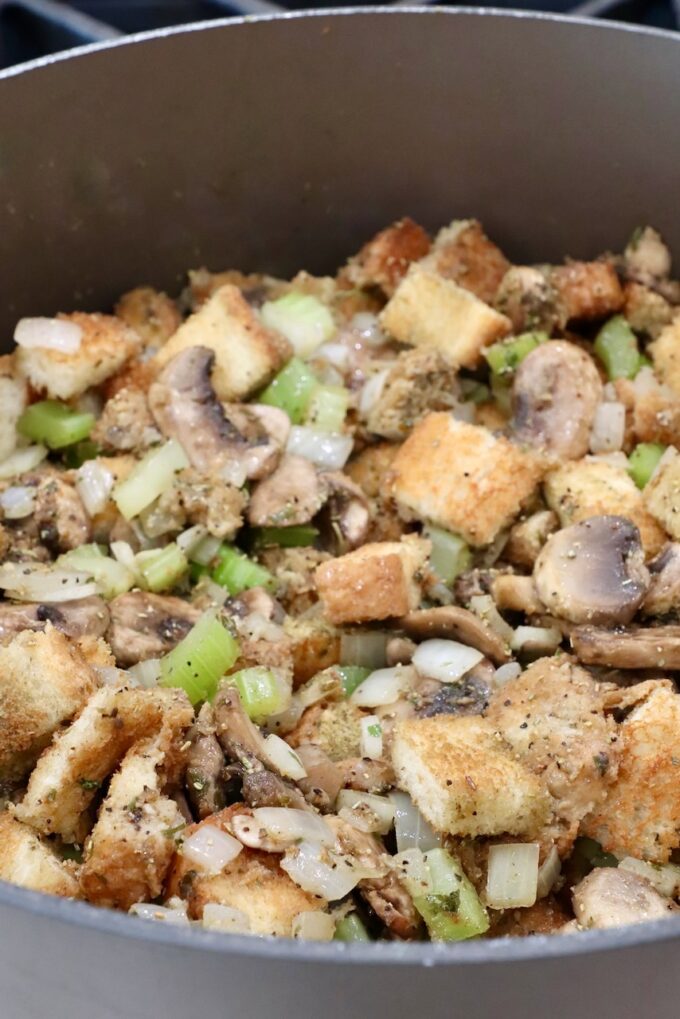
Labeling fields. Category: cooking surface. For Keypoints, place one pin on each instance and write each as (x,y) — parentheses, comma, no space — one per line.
(33,28)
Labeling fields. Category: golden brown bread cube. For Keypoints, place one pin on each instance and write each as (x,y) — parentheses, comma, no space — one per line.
(246,353)
(152,314)
(587,290)
(314,645)
(28,861)
(427,310)
(376,581)
(661,494)
(384,260)
(665,353)
(646,310)
(419,381)
(463,478)
(463,253)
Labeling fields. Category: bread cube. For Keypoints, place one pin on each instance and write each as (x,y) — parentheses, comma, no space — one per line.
(384,260)
(419,381)
(28,861)
(587,290)
(665,353)
(463,478)
(153,315)
(463,253)
(430,311)
(661,494)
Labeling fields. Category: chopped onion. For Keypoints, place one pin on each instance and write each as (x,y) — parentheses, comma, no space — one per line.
(328,450)
(645,382)
(284,758)
(504,673)
(367,325)
(123,553)
(465,412)
(318,871)
(22,460)
(512,878)
(234,473)
(287,825)
(608,429)
(371,737)
(445,660)
(412,867)
(44,584)
(372,391)
(541,638)
(318,688)
(366,811)
(548,873)
(313,925)
(217,917)
(94,484)
(211,849)
(336,354)
(411,828)
(206,551)
(363,647)
(665,877)
(146,673)
(148,911)
(111,676)
(110,576)
(17,501)
(50,333)
(382,687)
(484,606)
(190,539)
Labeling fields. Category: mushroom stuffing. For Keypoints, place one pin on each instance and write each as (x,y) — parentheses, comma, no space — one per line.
(349,607)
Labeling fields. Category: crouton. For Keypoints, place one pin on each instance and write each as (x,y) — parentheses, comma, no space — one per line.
(106,344)
(529,300)
(463,253)
(253,883)
(552,715)
(335,727)
(430,311)
(69,773)
(665,353)
(646,311)
(254,286)
(132,844)
(661,494)
(44,681)
(384,260)
(641,815)
(527,538)
(370,467)
(314,644)
(376,581)
(294,571)
(656,416)
(27,861)
(418,382)
(246,354)
(153,315)
(463,478)
(464,779)
(13,398)
(587,290)
(125,423)
(590,488)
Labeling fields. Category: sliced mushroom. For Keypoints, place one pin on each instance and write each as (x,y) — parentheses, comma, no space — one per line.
(255,600)
(236,733)
(663,595)
(324,777)
(593,571)
(612,897)
(399,650)
(456,623)
(555,395)
(205,771)
(366,775)
(527,538)
(347,514)
(147,625)
(59,520)
(262,788)
(293,494)
(265,430)
(84,617)
(654,647)
(470,696)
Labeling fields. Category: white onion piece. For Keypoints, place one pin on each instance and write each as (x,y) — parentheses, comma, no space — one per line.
(146,673)
(94,483)
(465,412)
(609,426)
(284,758)
(382,687)
(234,473)
(190,539)
(367,325)
(484,606)
(225,919)
(371,741)
(328,450)
(645,382)
(366,811)
(336,354)
(211,849)
(283,827)
(38,583)
(512,878)
(111,676)
(445,660)
(372,391)
(206,550)
(548,873)
(363,647)
(412,867)
(320,872)
(504,673)
(22,460)
(313,925)
(147,911)
(411,828)
(665,877)
(50,333)
(542,638)
(17,501)
(122,551)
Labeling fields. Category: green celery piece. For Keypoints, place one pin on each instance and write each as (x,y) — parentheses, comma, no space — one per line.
(297,536)
(450,554)
(162,568)
(504,357)
(452,911)
(328,408)
(351,928)
(351,677)
(302,318)
(643,461)
(617,348)
(474,392)
(501,390)
(199,661)
(291,390)
(259,691)
(75,456)
(236,572)
(55,424)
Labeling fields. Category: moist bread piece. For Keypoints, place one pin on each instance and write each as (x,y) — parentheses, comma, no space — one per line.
(28,861)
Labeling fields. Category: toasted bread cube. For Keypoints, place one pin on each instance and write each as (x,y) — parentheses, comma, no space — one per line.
(68,774)
(590,488)
(430,311)
(661,494)
(640,816)
(106,344)
(246,353)
(133,842)
(463,478)
(314,645)
(655,416)
(463,253)
(587,290)
(464,779)
(44,682)
(384,260)
(13,399)
(665,353)
(153,315)
(419,381)
(334,727)
(646,310)
(376,581)
(27,861)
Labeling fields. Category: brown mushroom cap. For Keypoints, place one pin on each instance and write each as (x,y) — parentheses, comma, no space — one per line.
(593,571)
(456,623)
(555,394)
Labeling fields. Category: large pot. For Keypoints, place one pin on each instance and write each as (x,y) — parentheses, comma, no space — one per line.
(280,143)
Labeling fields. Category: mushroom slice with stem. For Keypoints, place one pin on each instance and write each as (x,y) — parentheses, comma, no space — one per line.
(293,494)
(455,623)
(612,897)
(593,572)
(346,514)
(653,647)
(663,595)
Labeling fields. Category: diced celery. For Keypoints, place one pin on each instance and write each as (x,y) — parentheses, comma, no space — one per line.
(450,555)
(328,408)
(291,390)
(200,660)
(260,691)
(55,424)
(643,460)
(302,319)
(504,357)
(473,391)
(351,928)
(585,856)
(149,479)
(351,676)
(501,390)
(297,536)
(196,571)
(162,568)
(111,577)
(617,348)
(236,572)
(75,456)
(452,910)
